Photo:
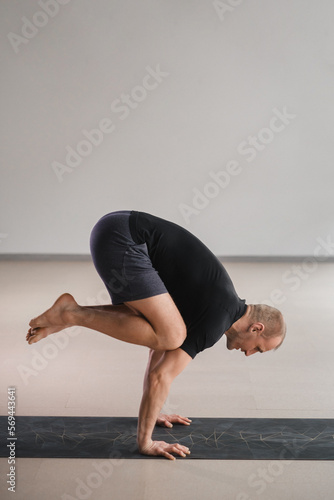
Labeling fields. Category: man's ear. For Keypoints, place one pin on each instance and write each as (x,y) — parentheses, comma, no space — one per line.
(257,327)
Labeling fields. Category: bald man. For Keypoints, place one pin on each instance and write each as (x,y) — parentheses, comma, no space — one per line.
(170,293)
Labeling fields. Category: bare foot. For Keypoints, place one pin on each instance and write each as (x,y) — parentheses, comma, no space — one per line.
(53,320)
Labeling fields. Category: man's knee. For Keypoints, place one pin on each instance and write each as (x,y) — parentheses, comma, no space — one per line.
(171,340)
(182,335)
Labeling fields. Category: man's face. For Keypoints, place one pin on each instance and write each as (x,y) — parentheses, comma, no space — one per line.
(250,343)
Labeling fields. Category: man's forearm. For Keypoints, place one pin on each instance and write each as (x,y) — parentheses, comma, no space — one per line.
(154,396)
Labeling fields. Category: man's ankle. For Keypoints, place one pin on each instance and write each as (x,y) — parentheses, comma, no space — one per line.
(81,316)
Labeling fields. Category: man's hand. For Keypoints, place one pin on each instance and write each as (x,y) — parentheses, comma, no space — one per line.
(160,448)
(168,420)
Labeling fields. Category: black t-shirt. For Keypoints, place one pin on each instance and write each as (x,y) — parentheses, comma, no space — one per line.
(194,277)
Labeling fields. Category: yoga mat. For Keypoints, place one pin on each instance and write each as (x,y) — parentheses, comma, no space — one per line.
(207,438)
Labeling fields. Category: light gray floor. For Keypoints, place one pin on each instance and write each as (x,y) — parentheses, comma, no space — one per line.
(86,373)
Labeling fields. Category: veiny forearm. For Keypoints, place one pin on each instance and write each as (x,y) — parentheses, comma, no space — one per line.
(155,393)
(154,358)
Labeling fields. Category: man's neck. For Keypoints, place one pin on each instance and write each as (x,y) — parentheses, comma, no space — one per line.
(234,329)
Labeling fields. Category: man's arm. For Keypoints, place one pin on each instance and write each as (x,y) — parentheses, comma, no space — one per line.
(156,389)
(163,420)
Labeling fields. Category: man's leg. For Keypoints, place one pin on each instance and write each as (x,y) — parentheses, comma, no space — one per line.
(154,322)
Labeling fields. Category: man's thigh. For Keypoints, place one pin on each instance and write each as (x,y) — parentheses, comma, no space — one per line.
(161,312)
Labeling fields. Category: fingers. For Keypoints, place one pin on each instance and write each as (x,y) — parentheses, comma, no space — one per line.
(163,421)
(183,451)
(168,420)
(165,449)
(166,423)
(178,419)
(184,420)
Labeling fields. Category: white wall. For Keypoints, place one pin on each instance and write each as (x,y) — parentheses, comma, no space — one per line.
(224,74)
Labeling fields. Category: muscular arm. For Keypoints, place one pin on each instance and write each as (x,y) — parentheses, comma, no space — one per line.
(156,388)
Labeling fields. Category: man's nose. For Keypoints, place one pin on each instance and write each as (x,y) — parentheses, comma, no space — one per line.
(250,352)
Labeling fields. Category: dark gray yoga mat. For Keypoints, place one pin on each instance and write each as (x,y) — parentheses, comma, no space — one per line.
(207,438)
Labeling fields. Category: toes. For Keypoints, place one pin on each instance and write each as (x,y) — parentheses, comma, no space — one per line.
(33,338)
(29,334)
(37,334)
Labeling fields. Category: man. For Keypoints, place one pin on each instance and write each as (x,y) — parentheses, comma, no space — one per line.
(170,293)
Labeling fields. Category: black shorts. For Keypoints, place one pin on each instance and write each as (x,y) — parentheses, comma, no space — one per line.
(123,265)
